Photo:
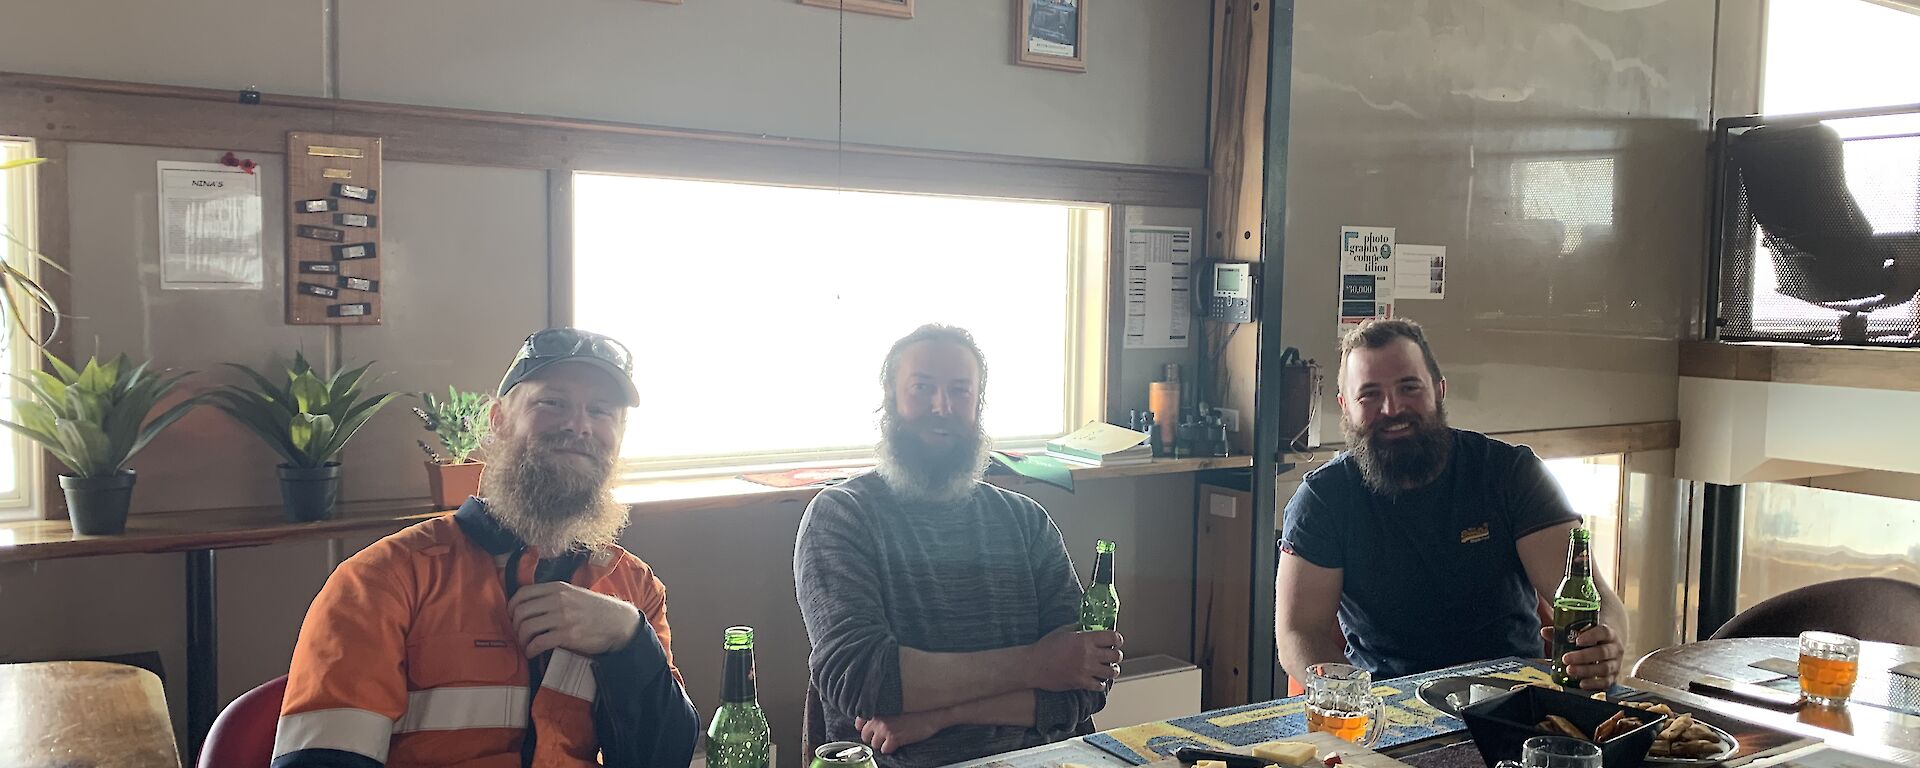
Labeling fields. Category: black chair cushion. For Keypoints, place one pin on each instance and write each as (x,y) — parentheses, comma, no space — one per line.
(1871,608)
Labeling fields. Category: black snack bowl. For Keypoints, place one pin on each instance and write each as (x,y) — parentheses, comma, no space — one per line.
(1501,724)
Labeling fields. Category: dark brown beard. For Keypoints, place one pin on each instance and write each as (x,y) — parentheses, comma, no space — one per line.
(542,496)
(1389,467)
(916,470)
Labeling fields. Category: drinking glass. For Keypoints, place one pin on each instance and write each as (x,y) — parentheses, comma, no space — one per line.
(1555,752)
(1340,701)
(1829,665)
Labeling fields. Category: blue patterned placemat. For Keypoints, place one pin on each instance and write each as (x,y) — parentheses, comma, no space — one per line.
(1409,719)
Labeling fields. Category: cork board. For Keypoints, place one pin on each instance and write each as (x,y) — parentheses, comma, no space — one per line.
(333,229)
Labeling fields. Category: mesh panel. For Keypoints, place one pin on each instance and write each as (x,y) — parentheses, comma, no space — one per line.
(1820,238)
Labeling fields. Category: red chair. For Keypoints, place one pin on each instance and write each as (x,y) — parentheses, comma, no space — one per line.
(242,736)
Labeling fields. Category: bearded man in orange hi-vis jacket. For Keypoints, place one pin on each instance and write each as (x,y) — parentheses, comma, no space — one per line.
(515,632)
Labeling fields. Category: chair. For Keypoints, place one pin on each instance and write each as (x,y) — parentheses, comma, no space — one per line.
(1825,252)
(1877,609)
(242,736)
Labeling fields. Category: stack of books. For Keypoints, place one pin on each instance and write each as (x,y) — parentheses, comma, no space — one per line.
(1099,444)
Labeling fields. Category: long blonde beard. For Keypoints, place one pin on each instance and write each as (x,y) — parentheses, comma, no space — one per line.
(916,474)
(550,505)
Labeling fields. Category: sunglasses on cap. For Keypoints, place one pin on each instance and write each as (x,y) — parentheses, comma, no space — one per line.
(572,342)
(555,345)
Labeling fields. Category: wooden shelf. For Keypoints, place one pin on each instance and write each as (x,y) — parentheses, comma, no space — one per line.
(204,529)
(1831,366)
(161,532)
(1567,443)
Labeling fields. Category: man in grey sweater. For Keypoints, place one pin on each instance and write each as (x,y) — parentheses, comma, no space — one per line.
(942,610)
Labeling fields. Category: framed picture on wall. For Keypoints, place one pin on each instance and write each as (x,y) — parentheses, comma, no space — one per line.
(899,9)
(1051,34)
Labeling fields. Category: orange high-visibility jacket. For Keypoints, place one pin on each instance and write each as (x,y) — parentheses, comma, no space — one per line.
(408,657)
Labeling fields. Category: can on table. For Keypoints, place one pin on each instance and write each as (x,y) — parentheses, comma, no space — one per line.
(843,754)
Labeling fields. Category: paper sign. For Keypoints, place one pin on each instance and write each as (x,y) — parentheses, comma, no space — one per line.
(1366,275)
(1158,296)
(1420,272)
(209,227)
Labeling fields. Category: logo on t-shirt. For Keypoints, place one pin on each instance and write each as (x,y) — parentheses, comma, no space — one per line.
(489,643)
(1476,534)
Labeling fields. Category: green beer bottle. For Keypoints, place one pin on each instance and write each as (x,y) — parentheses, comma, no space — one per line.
(1576,605)
(738,738)
(1100,609)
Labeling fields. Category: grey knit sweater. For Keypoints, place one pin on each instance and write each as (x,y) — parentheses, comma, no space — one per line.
(874,574)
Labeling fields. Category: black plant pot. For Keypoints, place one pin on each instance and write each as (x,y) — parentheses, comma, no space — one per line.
(309,492)
(98,505)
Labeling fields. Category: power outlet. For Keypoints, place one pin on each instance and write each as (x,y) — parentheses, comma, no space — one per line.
(1231,418)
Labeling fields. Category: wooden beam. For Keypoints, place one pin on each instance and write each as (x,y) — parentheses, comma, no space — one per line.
(73,109)
(1235,197)
(1713,360)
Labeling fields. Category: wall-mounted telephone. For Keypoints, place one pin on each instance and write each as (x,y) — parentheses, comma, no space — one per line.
(1232,293)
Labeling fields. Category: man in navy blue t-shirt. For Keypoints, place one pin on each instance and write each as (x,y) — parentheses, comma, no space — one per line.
(1422,546)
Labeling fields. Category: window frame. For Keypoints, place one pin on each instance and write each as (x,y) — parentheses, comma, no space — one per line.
(1089,348)
(21,217)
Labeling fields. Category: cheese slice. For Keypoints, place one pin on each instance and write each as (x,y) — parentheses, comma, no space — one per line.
(1210,764)
(1285,752)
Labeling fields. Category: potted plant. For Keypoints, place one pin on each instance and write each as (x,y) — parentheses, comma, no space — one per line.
(460,423)
(307,422)
(93,420)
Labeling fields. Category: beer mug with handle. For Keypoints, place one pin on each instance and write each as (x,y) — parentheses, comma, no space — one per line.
(1340,701)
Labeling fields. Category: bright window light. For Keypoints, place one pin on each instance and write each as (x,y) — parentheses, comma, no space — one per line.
(17,454)
(1828,55)
(759,315)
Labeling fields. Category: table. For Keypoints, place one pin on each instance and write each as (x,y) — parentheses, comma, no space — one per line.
(1078,752)
(1857,727)
(83,713)
(1860,729)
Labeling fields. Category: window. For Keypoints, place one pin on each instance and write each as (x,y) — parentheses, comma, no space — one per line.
(19,457)
(759,315)
(1592,485)
(1827,55)
(1794,536)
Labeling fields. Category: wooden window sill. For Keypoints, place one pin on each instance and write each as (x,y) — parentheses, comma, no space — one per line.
(186,530)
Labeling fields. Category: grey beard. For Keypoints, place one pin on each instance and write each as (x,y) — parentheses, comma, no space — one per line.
(912,473)
(1391,467)
(551,506)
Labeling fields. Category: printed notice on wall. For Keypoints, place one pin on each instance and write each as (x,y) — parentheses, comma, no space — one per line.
(1420,272)
(1158,308)
(1366,275)
(209,227)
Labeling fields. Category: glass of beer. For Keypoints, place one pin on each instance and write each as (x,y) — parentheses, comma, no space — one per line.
(1829,665)
(1340,701)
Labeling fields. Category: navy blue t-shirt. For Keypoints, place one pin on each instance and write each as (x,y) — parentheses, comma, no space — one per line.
(1433,578)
